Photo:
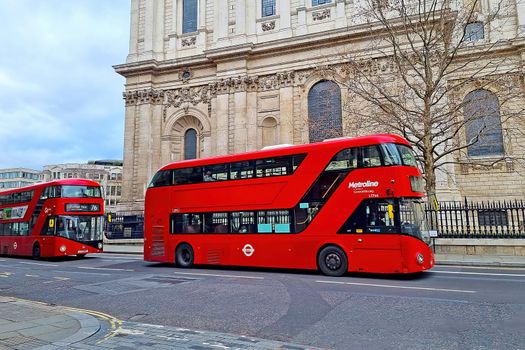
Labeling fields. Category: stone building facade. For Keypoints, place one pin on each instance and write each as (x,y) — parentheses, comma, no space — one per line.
(214,77)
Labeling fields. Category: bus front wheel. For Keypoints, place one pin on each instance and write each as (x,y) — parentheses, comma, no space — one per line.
(184,255)
(36,251)
(332,261)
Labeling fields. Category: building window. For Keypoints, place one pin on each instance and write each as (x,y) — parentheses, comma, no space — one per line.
(268,8)
(483,124)
(189,16)
(324,111)
(320,2)
(474,31)
(190,144)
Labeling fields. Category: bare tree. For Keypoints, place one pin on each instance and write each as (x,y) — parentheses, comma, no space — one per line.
(415,76)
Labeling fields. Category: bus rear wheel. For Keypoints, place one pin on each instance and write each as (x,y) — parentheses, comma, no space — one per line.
(332,261)
(36,251)
(184,255)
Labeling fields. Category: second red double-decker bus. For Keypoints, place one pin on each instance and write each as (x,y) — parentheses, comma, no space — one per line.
(57,218)
(351,204)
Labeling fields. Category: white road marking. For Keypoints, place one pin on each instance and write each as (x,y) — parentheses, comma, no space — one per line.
(398,287)
(218,275)
(57,279)
(479,273)
(121,257)
(40,264)
(5,274)
(103,268)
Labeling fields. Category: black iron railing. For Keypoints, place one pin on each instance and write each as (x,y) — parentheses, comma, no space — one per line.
(124,225)
(494,219)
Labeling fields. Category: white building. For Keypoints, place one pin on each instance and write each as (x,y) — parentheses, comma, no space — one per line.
(17,177)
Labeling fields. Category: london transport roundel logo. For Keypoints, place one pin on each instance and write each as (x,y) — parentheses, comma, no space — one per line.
(15,246)
(248,250)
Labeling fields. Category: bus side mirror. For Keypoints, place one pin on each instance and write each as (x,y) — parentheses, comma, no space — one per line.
(51,223)
(109,217)
(390,210)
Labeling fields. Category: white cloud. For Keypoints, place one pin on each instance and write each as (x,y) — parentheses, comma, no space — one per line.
(60,99)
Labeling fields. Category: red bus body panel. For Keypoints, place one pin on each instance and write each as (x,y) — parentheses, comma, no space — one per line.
(377,253)
(49,245)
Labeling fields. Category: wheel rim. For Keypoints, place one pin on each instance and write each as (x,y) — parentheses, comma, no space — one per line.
(186,256)
(333,261)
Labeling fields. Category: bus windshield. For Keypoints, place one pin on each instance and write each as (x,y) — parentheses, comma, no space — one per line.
(412,215)
(80,192)
(80,228)
(405,216)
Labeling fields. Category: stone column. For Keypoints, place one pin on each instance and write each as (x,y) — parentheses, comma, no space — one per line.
(285,18)
(340,14)
(240,17)
(251,21)
(241,136)
(222,123)
(172,49)
(301,18)
(520,8)
(134,32)
(286,115)
(154,30)
(128,170)
(221,19)
(251,120)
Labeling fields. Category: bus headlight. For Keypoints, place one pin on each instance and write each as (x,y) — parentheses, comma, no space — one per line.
(62,249)
(100,246)
(420,258)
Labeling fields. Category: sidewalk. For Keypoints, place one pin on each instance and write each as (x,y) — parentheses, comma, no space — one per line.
(480,260)
(33,325)
(441,259)
(26,324)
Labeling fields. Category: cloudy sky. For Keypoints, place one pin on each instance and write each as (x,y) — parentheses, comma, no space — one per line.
(60,99)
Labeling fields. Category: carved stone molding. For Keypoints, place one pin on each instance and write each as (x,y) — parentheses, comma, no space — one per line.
(267,26)
(143,97)
(189,41)
(320,15)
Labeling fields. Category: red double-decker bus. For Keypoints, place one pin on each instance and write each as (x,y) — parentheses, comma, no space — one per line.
(343,205)
(52,219)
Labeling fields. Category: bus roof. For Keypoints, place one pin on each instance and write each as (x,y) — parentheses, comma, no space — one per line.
(59,182)
(283,151)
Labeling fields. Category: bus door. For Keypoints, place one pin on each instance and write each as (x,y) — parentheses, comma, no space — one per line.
(373,235)
(47,241)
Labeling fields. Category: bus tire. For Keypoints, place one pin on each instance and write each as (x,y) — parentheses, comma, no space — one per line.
(36,251)
(184,255)
(332,261)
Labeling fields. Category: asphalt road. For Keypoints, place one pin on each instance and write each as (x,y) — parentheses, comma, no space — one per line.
(445,308)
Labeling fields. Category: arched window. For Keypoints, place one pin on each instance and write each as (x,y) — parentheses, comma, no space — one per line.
(324,111)
(269,132)
(190,144)
(483,124)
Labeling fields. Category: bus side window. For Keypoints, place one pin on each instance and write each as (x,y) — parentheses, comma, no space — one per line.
(370,156)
